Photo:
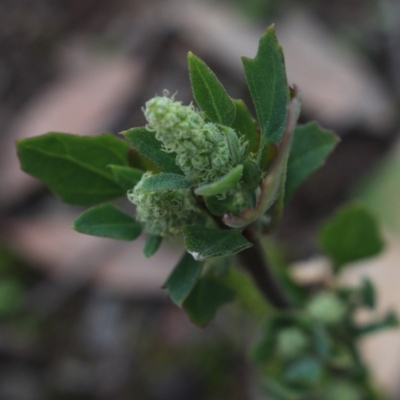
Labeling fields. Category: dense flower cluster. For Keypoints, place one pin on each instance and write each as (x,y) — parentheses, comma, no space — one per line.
(202,149)
(163,212)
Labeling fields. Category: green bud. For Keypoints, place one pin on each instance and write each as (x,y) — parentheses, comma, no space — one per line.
(164,212)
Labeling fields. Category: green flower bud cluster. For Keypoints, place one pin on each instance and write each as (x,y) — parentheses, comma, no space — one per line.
(202,149)
(164,212)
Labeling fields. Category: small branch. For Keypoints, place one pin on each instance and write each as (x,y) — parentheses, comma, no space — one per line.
(254,261)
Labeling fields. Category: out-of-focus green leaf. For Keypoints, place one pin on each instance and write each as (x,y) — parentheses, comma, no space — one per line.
(107,220)
(75,167)
(151,245)
(203,302)
(342,390)
(278,391)
(305,372)
(126,177)
(389,321)
(202,242)
(147,145)
(227,182)
(368,294)
(246,127)
(352,234)
(266,78)
(310,146)
(166,181)
(246,293)
(11,296)
(209,94)
(183,278)
(266,347)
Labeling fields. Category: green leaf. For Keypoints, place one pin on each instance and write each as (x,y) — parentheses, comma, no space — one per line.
(11,297)
(389,321)
(246,126)
(352,234)
(75,167)
(126,177)
(205,299)
(310,146)
(268,156)
(227,182)
(136,160)
(266,78)
(368,294)
(147,145)
(209,94)
(278,391)
(152,244)
(246,294)
(264,350)
(107,220)
(202,242)
(306,371)
(251,175)
(183,278)
(166,181)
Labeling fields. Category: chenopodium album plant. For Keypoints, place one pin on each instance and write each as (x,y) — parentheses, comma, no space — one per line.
(219,179)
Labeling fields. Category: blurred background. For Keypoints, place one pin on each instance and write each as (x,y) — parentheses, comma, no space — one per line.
(86,318)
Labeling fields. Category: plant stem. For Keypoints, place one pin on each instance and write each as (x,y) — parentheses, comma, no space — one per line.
(254,261)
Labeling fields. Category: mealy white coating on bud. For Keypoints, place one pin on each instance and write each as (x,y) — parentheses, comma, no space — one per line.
(202,150)
(164,212)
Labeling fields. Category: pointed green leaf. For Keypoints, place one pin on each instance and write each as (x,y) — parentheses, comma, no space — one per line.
(147,145)
(152,244)
(246,126)
(107,220)
(205,299)
(227,182)
(310,146)
(75,167)
(126,177)
(166,181)
(266,78)
(352,234)
(209,94)
(183,278)
(202,242)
